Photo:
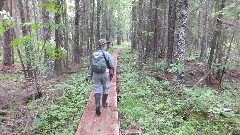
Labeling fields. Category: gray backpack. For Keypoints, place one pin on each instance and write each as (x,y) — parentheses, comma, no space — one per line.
(98,62)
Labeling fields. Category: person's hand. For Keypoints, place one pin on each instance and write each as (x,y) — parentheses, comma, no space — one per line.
(111,76)
(88,78)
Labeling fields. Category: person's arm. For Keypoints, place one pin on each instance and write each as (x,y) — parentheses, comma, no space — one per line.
(111,62)
(90,74)
(90,71)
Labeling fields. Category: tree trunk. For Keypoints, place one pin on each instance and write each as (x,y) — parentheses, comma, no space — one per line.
(29,47)
(140,37)
(215,38)
(25,31)
(92,35)
(46,36)
(88,24)
(82,28)
(2,4)
(7,48)
(182,38)
(119,36)
(66,33)
(76,48)
(134,28)
(35,10)
(204,36)
(98,20)
(150,29)
(58,38)
(107,21)
(16,33)
(12,29)
(198,41)
(171,30)
(163,30)
(155,31)
(227,57)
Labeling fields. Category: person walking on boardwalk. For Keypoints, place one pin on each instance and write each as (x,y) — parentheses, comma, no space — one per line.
(101,69)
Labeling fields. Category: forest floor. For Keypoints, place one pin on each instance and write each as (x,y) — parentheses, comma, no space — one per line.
(153,104)
(19,114)
(18,110)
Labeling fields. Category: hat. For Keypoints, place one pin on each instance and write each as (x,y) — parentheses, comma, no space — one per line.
(102,42)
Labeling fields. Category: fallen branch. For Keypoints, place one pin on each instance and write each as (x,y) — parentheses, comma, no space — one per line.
(228,23)
(195,85)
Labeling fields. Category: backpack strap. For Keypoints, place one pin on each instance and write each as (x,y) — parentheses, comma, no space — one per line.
(107,62)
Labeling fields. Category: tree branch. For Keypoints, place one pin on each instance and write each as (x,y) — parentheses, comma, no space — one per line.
(195,85)
(228,23)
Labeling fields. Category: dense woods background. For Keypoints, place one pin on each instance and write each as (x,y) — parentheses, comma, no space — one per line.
(195,42)
(56,32)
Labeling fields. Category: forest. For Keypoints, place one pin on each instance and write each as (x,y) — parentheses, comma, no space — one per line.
(177,70)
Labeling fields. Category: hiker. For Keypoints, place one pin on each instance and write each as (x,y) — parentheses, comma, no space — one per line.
(101,69)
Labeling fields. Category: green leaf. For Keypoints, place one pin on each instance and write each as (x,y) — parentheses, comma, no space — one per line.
(16,42)
(42,5)
(61,25)
(34,26)
(2,29)
(27,39)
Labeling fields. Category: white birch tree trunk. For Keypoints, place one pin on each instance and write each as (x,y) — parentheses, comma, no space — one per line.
(182,38)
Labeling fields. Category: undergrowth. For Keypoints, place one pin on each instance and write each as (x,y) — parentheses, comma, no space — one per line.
(64,115)
(159,108)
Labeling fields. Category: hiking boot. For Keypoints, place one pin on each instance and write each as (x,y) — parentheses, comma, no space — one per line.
(97,103)
(104,100)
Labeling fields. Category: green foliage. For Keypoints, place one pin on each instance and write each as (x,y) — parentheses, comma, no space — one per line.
(6,25)
(2,30)
(159,108)
(50,50)
(200,99)
(148,33)
(161,66)
(7,22)
(64,115)
(52,7)
(37,47)
(176,67)
(194,56)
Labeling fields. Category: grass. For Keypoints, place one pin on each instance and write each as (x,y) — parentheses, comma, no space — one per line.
(160,108)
